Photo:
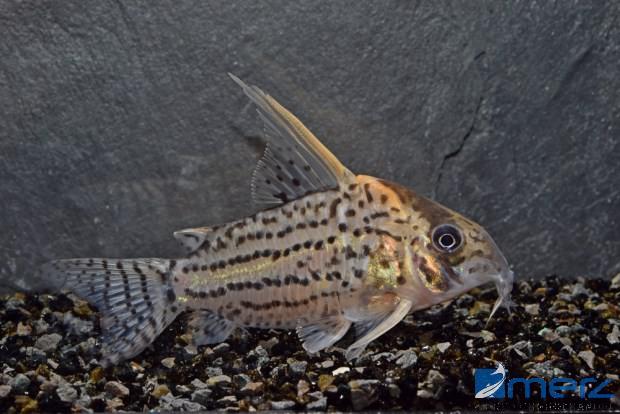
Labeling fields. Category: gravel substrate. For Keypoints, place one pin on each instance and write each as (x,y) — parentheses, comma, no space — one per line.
(49,357)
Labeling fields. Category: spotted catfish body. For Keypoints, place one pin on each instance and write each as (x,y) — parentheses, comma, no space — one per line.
(328,251)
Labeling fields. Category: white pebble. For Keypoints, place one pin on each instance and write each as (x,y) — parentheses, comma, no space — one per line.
(168,362)
(442,346)
(614,336)
(588,357)
(341,370)
(533,309)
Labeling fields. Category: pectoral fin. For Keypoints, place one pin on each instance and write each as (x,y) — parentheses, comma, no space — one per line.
(371,329)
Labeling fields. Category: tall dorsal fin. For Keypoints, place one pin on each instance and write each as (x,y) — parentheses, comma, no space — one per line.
(295,162)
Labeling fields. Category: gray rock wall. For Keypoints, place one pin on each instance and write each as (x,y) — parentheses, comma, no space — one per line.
(118,124)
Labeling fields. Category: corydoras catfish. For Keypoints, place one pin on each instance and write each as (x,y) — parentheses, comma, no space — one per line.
(328,250)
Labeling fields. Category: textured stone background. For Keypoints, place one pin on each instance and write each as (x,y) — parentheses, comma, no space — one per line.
(118,124)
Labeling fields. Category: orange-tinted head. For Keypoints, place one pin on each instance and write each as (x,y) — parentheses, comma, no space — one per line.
(450,254)
(453,254)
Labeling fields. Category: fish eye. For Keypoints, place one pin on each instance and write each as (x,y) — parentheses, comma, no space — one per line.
(447,238)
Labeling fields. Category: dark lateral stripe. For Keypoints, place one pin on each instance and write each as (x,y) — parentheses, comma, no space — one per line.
(369,197)
(379,214)
(264,253)
(220,244)
(330,276)
(319,206)
(264,282)
(283,303)
(333,207)
(268,220)
(283,232)
(232,233)
(350,253)
(258,284)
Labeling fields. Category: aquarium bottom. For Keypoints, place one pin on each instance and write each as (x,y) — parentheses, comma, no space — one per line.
(49,359)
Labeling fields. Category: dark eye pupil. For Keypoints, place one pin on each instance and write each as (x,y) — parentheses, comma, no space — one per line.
(447,241)
(447,237)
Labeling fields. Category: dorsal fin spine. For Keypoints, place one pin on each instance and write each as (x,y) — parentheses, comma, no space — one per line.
(295,162)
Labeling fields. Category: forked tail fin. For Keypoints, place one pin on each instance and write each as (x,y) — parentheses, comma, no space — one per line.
(135,298)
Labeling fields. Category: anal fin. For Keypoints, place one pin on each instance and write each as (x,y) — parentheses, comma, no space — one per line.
(323,333)
(208,328)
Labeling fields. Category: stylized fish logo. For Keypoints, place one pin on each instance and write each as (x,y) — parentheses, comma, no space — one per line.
(489,390)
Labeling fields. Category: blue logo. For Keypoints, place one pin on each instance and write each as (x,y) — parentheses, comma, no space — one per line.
(489,383)
(492,383)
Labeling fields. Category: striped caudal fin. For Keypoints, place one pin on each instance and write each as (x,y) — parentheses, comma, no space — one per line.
(134,296)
